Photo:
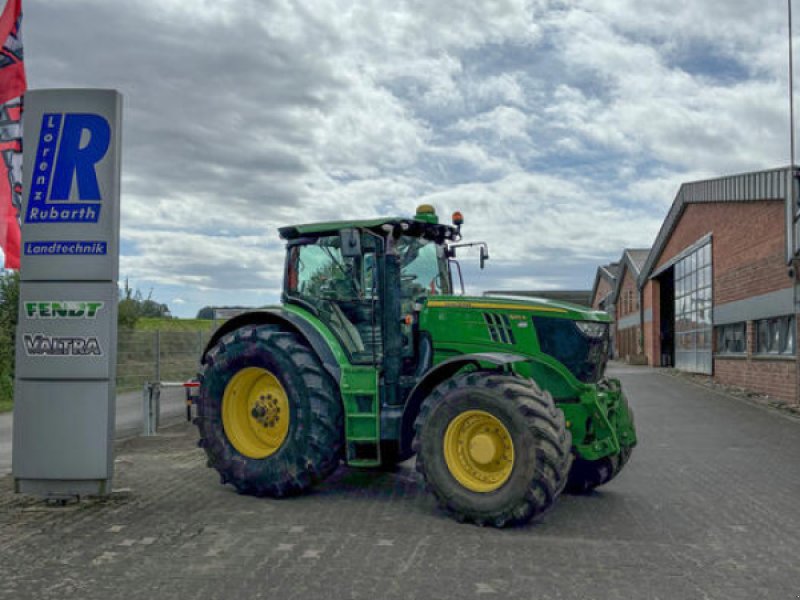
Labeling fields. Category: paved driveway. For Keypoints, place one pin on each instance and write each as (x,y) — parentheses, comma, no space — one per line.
(708,507)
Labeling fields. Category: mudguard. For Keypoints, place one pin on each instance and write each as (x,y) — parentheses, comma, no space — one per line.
(278,316)
(444,370)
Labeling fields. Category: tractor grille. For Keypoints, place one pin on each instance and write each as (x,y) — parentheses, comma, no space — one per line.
(499,328)
(585,353)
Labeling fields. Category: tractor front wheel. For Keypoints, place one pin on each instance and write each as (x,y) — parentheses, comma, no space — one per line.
(492,448)
(586,475)
(269,415)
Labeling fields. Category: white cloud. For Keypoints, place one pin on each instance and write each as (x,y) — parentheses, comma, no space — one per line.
(561,130)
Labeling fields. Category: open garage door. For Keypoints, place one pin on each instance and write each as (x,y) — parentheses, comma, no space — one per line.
(693,327)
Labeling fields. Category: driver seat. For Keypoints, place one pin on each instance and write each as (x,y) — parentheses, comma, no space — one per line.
(350,336)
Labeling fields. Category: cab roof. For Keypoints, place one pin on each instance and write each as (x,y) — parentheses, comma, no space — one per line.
(416,227)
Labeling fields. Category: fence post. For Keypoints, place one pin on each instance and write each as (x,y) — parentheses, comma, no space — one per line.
(157,406)
(147,410)
(158,355)
(151,408)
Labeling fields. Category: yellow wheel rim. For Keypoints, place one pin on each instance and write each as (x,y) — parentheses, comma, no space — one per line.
(478,451)
(255,412)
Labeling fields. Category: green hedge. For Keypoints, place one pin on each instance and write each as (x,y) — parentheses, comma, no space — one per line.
(9,300)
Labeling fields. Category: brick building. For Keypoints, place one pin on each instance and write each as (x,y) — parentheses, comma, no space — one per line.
(605,281)
(716,296)
(626,303)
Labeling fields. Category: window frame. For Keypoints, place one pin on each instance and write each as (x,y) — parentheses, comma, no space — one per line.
(786,344)
(720,332)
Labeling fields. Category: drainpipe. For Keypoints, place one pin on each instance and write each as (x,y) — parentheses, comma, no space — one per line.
(641,320)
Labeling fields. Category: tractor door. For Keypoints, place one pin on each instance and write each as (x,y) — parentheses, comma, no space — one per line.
(341,288)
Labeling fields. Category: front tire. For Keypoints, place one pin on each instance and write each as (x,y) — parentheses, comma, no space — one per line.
(269,416)
(493,449)
(586,475)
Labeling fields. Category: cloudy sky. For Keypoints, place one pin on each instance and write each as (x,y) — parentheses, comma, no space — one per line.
(562,130)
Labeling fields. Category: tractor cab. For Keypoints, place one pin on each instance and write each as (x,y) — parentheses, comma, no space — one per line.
(363,278)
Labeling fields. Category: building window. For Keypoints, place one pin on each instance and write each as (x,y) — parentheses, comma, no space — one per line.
(776,335)
(693,309)
(731,338)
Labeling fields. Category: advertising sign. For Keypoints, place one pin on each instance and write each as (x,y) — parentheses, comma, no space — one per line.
(66,348)
(70,219)
(66,331)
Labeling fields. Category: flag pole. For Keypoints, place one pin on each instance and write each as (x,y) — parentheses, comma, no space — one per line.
(791,92)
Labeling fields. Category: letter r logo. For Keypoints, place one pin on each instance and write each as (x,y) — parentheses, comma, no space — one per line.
(75,159)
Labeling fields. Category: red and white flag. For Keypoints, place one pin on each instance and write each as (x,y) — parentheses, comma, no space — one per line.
(12,90)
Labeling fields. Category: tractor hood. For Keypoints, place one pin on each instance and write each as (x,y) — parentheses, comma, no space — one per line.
(575,336)
(537,306)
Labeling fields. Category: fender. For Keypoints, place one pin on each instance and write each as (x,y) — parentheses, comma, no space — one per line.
(293,322)
(444,370)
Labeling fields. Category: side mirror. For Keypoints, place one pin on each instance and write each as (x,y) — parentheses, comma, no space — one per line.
(351,243)
(484,256)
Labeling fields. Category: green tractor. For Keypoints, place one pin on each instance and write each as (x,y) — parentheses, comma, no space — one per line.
(372,358)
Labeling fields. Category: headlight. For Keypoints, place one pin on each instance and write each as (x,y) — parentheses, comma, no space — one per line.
(592,329)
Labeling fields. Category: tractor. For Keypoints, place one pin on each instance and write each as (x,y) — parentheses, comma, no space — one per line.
(372,358)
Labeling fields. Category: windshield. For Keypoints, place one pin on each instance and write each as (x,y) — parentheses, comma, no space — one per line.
(423,268)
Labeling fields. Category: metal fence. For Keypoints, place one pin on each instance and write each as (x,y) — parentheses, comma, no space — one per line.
(152,356)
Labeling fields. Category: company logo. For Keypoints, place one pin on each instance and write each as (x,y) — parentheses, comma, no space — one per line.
(88,248)
(39,344)
(66,309)
(70,146)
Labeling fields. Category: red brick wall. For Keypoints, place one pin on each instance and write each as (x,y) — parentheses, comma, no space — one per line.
(603,289)
(627,342)
(628,300)
(749,242)
(651,299)
(777,378)
(628,339)
(748,246)
(774,377)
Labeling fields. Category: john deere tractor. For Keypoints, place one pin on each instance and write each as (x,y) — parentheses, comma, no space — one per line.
(373,358)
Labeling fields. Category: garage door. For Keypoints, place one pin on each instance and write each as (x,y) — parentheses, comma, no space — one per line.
(693,328)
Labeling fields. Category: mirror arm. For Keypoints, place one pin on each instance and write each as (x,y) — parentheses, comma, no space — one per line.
(460,276)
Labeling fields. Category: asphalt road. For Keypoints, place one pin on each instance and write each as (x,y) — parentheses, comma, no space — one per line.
(128,419)
(707,508)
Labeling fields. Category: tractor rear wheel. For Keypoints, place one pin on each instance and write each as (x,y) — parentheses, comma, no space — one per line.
(492,448)
(269,415)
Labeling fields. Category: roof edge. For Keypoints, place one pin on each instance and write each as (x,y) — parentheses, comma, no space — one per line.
(754,186)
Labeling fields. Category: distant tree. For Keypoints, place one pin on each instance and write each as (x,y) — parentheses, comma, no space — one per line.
(133,306)
(207,312)
(9,307)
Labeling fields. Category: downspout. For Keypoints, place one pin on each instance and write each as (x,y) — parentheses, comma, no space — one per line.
(641,318)
(791,213)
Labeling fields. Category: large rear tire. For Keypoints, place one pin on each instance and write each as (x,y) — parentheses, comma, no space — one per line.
(492,448)
(269,415)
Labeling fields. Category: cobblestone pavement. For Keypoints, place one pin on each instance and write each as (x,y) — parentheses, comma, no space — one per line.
(706,508)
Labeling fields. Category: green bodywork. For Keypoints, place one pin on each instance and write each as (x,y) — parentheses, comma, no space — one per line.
(596,413)
(358,386)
